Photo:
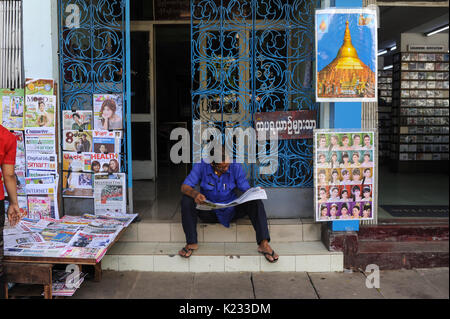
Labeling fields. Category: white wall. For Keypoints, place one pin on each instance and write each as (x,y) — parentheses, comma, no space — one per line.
(40,39)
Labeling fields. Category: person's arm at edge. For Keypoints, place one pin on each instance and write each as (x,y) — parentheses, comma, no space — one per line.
(9,178)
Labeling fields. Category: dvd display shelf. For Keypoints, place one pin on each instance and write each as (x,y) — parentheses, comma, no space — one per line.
(384,114)
(420,112)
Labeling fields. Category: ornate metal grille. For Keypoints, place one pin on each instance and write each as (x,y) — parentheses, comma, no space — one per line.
(92,54)
(255,56)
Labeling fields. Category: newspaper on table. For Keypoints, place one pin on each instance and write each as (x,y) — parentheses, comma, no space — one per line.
(85,237)
(251,194)
(61,280)
(110,193)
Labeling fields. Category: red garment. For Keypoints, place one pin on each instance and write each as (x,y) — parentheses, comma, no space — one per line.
(8,145)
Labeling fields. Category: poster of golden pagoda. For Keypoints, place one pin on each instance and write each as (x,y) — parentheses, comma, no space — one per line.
(346,55)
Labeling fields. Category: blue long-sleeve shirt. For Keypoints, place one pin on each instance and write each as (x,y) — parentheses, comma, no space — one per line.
(219,189)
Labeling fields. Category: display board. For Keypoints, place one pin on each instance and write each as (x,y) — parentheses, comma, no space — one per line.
(344,174)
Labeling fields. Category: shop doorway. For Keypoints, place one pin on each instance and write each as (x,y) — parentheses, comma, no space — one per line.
(160,92)
(413,113)
(160,62)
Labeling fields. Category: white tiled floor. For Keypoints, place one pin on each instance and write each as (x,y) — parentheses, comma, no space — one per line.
(220,257)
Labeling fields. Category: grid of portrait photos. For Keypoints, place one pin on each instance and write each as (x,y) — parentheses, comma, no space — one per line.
(344,174)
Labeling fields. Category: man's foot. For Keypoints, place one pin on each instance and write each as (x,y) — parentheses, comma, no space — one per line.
(187,250)
(267,251)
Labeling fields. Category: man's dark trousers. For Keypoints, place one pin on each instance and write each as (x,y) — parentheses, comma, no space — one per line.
(254,210)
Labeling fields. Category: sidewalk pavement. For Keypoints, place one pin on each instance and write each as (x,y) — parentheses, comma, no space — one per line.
(430,283)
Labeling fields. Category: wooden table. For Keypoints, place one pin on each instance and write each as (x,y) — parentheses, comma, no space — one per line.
(27,266)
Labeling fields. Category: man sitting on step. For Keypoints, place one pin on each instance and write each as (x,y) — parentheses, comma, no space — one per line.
(218,182)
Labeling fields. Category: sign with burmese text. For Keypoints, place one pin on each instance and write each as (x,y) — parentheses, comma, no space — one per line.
(290,125)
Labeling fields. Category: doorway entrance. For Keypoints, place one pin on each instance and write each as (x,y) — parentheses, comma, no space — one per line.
(161,82)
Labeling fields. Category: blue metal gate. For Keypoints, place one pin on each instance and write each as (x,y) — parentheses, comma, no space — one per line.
(93,58)
(253,56)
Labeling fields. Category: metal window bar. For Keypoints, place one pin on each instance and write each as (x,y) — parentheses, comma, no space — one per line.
(11,53)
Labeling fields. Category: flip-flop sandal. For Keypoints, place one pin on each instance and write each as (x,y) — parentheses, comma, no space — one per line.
(187,250)
(266,254)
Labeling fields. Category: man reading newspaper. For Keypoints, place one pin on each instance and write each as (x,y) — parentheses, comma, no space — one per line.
(218,182)
(8,144)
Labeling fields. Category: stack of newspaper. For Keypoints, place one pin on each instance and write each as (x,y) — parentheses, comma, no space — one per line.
(62,285)
(86,236)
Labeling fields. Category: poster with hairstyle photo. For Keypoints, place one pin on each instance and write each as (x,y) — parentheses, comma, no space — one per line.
(345,178)
(108,112)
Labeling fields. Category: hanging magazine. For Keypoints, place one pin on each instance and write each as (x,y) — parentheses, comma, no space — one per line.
(40,111)
(110,193)
(78,120)
(12,108)
(39,86)
(76,141)
(77,184)
(107,141)
(40,140)
(108,110)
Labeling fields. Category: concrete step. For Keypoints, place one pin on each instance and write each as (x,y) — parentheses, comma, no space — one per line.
(281,231)
(221,257)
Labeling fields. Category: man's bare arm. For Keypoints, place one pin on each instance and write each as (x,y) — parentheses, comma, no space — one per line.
(187,190)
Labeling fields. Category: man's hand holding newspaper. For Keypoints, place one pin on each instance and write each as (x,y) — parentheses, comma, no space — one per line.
(251,194)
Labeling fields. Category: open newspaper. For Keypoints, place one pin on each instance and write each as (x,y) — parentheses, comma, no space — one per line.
(251,194)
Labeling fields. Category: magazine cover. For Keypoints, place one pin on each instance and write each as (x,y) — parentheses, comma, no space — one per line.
(76,162)
(76,184)
(76,141)
(79,120)
(40,141)
(38,86)
(107,141)
(12,108)
(40,206)
(346,55)
(110,193)
(42,197)
(108,110)
(42,162)
(104,163)
(344,174)
(40,111)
